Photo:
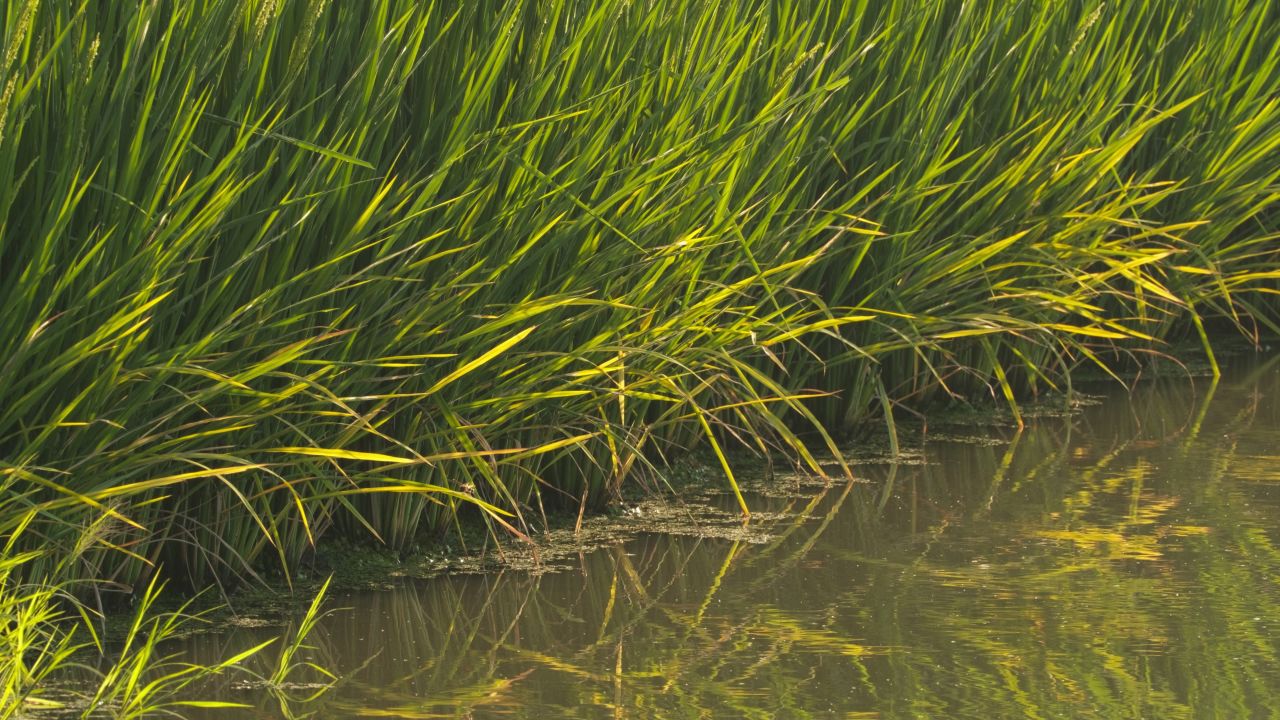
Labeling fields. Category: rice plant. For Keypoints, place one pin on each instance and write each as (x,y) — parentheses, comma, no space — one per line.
(272,269)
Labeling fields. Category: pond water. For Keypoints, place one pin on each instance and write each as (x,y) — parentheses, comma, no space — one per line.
(1118,563)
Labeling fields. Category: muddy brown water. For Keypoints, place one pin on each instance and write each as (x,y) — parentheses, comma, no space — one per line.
(1118,563)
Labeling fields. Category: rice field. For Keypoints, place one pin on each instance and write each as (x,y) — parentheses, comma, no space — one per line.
(275,270)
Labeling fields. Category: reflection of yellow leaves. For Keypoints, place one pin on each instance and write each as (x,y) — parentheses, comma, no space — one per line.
(1064,570)
(1111,544)
(1154,509)
(1186,530)
(563,666)
(1118,538)
(777,626)
(1088,537)
(1064,686)
(1257,468)
(447,704)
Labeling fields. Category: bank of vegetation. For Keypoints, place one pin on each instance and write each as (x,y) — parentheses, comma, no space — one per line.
(273,270)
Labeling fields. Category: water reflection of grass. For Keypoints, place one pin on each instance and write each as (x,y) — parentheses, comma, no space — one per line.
(1146,600)
(1134,577)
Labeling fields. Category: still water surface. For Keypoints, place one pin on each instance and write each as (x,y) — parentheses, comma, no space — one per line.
(1120,563)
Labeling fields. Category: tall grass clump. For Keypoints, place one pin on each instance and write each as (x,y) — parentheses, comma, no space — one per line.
(272,269)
